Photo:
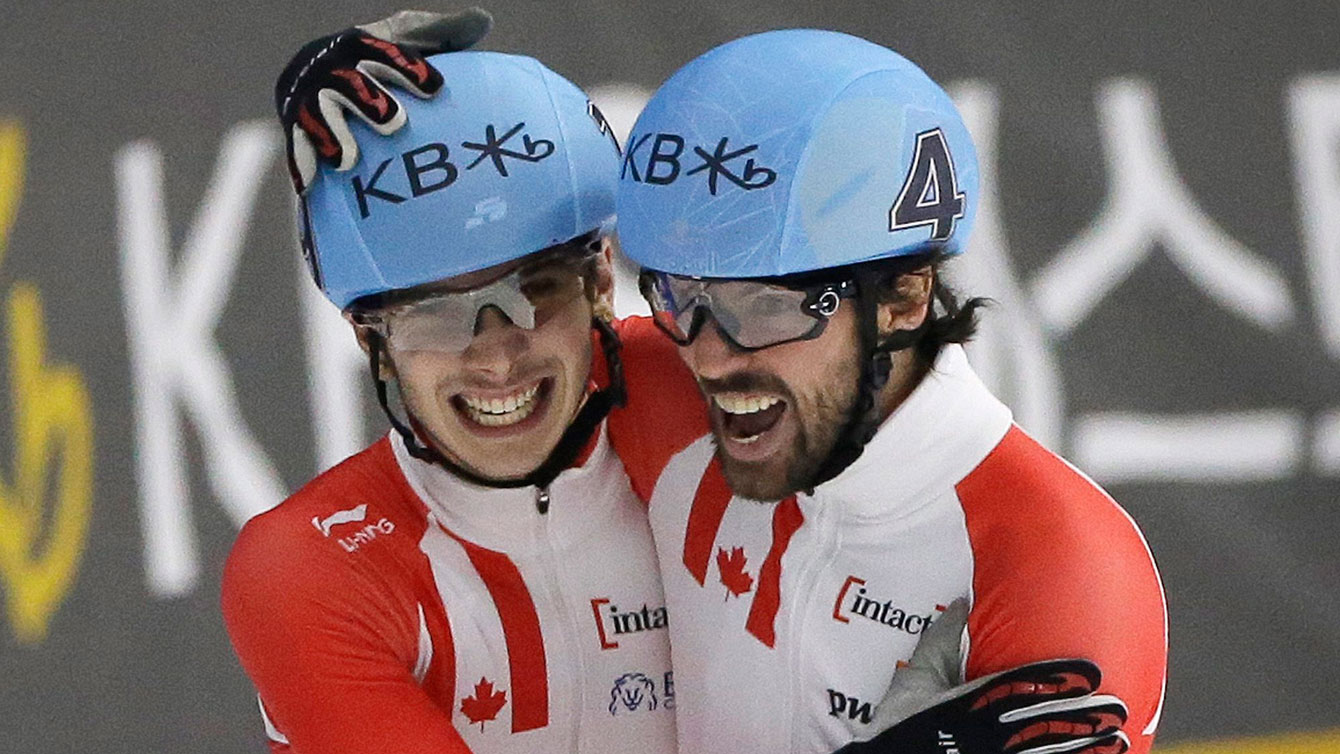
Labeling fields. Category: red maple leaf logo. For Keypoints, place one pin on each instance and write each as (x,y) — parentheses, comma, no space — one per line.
(484,704)
(737,580)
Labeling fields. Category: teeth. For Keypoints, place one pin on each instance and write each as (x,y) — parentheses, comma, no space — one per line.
(742,403)
(501,405)
(501,412)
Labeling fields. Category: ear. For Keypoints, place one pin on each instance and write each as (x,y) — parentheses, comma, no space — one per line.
(602,288)
(363,334)
(910,304)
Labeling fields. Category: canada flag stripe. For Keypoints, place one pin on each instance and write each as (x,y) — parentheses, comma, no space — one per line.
(786,519)
(709,507)
(521,632)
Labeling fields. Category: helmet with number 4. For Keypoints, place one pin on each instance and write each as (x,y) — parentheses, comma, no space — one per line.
(793,151)
(507,159)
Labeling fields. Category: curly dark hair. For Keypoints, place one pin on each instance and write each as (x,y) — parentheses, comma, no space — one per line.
(948,320)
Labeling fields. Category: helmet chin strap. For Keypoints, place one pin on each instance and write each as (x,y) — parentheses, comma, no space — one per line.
(570,444)
(876,365)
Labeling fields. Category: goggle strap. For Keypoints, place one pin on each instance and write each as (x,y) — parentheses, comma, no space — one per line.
(427,454)
(876,366)
(592,413)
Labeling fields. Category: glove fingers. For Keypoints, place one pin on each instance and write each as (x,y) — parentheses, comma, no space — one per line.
(431,33)
(312,122)
(301,159)
(332,107)
(1060,728)
(385,73)
(1117,743)
(1105,703)
(360,94)
(1037,682)
(423,78)
(1114,743)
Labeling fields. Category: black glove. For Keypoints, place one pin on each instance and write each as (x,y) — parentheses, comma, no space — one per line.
(1046,704)
(348,70)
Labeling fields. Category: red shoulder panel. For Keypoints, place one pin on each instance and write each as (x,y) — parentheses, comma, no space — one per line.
(665,411)
(326,622)
(1060,570)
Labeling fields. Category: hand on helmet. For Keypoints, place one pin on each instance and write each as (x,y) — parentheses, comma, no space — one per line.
(348,71)
(1041,707)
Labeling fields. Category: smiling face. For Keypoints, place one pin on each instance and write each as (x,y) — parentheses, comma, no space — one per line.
(499,406)
(776,413)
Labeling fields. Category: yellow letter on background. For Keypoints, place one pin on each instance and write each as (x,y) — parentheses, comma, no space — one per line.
(41,540)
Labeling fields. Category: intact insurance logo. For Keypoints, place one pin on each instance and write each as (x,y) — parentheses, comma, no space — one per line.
(46,482)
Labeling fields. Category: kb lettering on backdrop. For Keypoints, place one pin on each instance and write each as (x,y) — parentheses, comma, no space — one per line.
(1148,207)
(1314,118)
(171,315)
(45,505)
(178,367)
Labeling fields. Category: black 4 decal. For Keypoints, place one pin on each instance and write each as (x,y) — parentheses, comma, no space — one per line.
(930,194)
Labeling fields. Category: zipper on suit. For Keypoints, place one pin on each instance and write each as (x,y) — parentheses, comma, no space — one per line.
(558,599)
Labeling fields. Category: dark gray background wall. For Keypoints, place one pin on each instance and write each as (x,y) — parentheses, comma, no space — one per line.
(1162,234)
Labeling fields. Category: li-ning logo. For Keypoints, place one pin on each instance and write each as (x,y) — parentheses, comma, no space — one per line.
(364,535)
(660,165)
(863,605)
(324,525)
(611,622)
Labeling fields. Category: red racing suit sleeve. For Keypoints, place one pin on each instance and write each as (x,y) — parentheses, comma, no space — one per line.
(330,648)
(1060,570)
(665,411)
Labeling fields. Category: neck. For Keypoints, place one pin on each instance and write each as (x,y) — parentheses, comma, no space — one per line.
(909,369)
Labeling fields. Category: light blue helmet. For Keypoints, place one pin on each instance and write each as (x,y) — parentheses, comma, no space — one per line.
(793,151)
(508,158)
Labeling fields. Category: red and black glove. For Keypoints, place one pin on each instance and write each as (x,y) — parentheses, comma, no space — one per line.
(1046,707)
(348,71)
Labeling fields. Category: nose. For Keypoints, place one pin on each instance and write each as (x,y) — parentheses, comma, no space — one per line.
(497,344)
(488,316)
(710,355)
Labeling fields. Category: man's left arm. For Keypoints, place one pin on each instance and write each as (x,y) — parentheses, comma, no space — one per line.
(1060,570)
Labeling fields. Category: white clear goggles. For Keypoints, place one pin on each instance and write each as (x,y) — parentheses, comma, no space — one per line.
(447,320)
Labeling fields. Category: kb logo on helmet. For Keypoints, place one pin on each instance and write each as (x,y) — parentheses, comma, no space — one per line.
(428,169)
(660,164)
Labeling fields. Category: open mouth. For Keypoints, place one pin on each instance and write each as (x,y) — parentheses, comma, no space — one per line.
(495,410)
(747,417)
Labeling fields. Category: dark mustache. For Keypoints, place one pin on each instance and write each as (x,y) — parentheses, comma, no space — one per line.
(746,382)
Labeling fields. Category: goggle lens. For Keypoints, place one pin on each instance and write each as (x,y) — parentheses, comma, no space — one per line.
(751,313)
(448,321)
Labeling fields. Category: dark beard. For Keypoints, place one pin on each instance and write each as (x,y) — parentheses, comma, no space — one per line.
(819,425)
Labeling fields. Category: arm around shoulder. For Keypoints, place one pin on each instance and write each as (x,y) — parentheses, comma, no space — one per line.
(665,411)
